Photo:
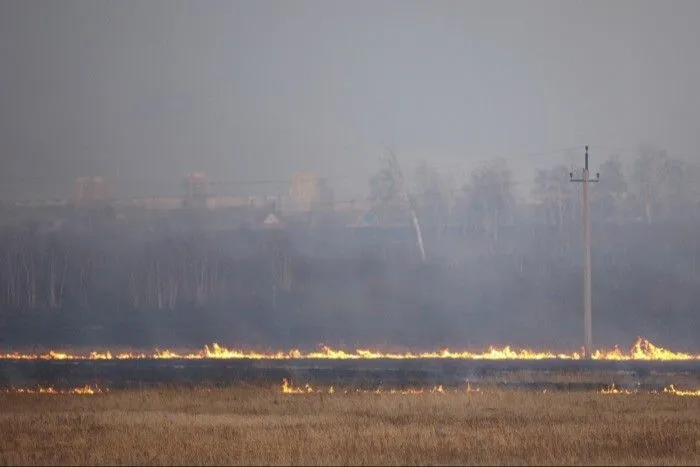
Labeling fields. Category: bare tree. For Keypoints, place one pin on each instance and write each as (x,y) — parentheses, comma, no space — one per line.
(490,195)
(383,186)
(58,258)
(611,190)
(679,193)
(389,194)
(406,197)
(435,196)
(280,257)
(553,191)
(650,173)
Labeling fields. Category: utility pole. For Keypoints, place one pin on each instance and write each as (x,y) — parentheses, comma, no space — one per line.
(398,179)
(587,320)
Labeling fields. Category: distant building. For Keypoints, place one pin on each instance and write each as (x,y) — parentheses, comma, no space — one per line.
(197,184)
(156,202)
(92,189)
(223,202)
(39,203)
(307,191)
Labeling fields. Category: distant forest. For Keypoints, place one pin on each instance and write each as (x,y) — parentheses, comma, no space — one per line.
(496,271)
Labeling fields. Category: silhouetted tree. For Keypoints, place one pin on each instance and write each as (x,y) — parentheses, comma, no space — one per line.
(382,186)
(679,194)
(490,195)
(434,195)
(611,191)
(649,176)
(553,191)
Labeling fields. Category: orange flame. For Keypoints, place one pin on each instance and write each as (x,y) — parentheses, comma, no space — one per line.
(672,390)
(679,392)
(641,350)
(613,390)
(287,388)
(80,391)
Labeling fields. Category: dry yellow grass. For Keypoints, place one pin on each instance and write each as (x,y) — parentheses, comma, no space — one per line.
(262,426)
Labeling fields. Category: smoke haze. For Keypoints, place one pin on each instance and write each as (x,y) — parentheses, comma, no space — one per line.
(145,92)
(162,97)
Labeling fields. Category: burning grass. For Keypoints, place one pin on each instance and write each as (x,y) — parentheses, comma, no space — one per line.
(249,425)
(51,391)
(642,349)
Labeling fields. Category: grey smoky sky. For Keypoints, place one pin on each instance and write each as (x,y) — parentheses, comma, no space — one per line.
(144,91)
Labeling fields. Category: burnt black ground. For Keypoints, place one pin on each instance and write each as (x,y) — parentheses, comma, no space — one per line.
(539,374)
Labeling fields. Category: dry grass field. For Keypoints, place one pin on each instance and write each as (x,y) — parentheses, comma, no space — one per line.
(245,425)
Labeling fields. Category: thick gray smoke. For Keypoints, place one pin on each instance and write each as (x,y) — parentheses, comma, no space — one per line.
(198,121)
(146,92)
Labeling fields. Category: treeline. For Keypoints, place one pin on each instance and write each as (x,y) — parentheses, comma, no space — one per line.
(496,271)
(655,187)
(270,288)
(63,271)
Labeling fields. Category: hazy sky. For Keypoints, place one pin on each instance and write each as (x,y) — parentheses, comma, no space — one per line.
(144,91)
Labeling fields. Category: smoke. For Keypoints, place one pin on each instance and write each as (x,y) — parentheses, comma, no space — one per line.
(473,98)
(143,94)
